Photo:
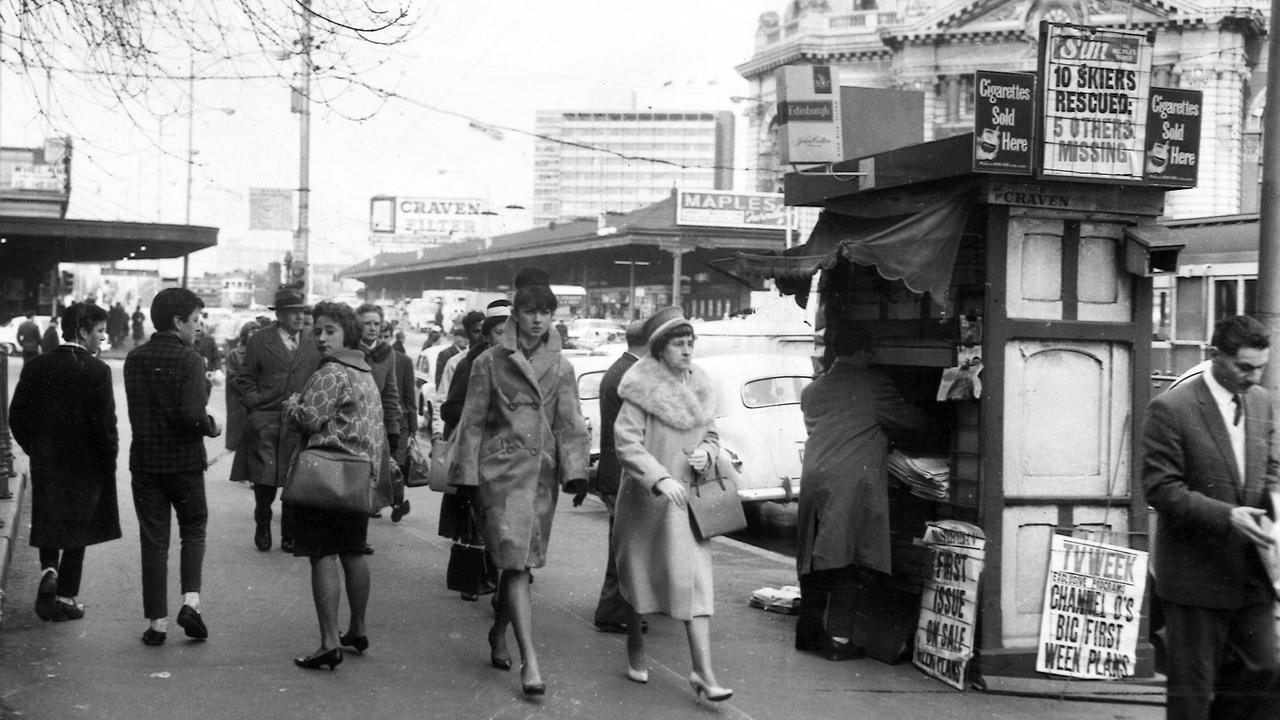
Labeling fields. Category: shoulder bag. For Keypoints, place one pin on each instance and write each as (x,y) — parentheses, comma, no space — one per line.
(332,480)
(419,464)
(714,505)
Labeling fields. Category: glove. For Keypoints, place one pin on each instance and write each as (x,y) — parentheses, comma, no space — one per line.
(393,442)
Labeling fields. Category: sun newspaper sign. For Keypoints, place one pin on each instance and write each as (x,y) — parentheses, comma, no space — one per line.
(1094,109)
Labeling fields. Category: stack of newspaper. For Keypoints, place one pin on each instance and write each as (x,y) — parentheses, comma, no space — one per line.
(927,476)
(785,600)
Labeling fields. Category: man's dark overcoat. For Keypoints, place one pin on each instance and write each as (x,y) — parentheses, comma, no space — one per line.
(270,374)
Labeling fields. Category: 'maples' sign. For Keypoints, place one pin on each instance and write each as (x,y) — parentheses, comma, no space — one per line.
(1173,137)
(1094,106)
(1003,122)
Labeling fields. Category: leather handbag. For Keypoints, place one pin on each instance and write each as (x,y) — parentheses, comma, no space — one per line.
(332,480)
(714,505)
(419,464)
(466,572)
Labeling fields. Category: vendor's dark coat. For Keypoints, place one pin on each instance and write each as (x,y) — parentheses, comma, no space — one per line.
(63,416)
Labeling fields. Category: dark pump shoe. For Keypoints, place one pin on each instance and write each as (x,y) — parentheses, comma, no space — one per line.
(63,612)
(153,637)
(286,545)
(47,596)
(190,621)
(331,657)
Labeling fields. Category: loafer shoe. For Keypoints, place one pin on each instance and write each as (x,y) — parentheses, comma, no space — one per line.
(153,637)
(190,621)
(63,612)
(837,651)
(400,511)
(47,596)
(262,538)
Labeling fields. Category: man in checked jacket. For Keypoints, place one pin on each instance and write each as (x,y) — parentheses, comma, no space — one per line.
(165,385)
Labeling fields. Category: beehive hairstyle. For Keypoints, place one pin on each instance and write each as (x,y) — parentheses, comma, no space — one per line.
(533,290)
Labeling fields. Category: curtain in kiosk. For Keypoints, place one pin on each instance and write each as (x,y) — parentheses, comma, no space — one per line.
(920,250)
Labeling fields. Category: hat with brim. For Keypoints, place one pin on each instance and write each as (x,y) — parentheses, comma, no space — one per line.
(494,315)
(289,299)
(663,321)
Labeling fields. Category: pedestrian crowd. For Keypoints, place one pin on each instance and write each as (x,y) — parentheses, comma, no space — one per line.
(328,382)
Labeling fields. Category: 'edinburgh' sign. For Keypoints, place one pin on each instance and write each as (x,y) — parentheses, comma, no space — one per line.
(809,114)
(1094,108)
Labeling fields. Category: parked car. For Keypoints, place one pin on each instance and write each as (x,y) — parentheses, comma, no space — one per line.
(761,426)
(424,366)
(590,367)
(588,333)
(9,332)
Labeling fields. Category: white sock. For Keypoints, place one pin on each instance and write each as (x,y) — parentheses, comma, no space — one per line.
(192,599)
(160,624)
(68,600)
(46,571)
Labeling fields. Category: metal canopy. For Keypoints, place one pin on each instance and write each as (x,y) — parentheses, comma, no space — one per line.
(61,240)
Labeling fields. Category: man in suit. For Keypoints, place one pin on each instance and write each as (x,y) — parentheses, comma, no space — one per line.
(29,337)
(408,416)
(167,392)
(1208,469)
(277,362)
(612,611)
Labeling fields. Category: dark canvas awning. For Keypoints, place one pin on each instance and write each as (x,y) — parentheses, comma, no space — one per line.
(920,249)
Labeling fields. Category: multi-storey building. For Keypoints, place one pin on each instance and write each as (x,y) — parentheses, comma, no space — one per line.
(933,47)
(574,179)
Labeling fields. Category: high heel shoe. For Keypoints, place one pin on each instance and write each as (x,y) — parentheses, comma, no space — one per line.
(331,657)
(634,675)
(712,693)
(359,643)
(500,661)
(531,688)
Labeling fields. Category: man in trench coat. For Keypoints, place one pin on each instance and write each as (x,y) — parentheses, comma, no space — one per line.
(843,519)
(277,362)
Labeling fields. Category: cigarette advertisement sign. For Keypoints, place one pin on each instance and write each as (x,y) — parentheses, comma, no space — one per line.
(949,603)
(1004,122)
(1173,137)
(428,218)
(1092,606)
(1094,110)
(718,208)
(809,114)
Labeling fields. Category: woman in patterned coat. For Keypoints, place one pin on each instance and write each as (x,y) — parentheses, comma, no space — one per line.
(339,409)
(521,436)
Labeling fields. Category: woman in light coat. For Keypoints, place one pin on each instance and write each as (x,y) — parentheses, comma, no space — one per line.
(521,436)
(665,436)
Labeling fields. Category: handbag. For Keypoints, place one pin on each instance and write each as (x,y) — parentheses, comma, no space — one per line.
(714,505)
(331,480)
(441,459)
(467,564)
(419,464)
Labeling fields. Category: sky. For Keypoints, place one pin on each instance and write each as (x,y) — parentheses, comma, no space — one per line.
(495,60)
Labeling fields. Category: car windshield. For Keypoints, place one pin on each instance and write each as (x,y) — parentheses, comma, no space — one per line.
(767,392)
(589,385)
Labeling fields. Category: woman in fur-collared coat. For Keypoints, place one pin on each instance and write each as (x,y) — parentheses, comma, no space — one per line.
(665,436)
(521,436)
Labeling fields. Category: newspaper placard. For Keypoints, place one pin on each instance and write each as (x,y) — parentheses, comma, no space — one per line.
(949,604)
(1092,607)
(1096,83)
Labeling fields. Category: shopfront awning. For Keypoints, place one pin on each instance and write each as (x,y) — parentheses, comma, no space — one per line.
(920,249)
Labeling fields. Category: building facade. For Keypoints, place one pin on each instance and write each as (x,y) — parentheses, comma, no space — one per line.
(574,179)
(934,48)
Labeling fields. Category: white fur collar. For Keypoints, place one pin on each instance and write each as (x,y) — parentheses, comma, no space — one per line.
(682,405)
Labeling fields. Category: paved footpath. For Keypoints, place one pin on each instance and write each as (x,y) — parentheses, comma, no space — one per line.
(428,655)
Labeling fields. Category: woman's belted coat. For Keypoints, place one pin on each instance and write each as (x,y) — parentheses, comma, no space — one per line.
(521,436)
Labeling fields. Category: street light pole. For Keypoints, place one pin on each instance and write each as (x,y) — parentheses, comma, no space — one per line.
(191,115)
(302,242)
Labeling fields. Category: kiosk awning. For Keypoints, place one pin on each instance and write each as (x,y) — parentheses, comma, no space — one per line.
(920,249)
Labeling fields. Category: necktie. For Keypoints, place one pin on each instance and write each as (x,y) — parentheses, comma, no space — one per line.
(292,344)
(1239,403)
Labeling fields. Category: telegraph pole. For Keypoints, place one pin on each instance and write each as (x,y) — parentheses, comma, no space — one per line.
(1269,204)
(302,241)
